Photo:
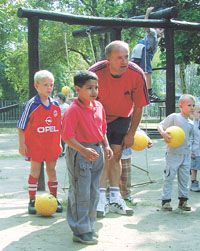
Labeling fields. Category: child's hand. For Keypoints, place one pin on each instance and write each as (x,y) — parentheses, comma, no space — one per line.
(108,152)
(23,149)
(90,154)
(166,137)
(150,143)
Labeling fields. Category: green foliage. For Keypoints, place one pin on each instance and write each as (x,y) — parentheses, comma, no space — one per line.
(63,54)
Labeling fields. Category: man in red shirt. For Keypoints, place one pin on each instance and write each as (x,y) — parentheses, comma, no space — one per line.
(123,93)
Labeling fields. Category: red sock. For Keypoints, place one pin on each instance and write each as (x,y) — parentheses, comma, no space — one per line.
(53,185)
(32,187)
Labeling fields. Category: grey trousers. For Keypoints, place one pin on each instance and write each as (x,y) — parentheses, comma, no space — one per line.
(83,195)
(176,164)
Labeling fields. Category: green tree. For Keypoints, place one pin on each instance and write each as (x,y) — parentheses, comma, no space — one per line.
(62,54)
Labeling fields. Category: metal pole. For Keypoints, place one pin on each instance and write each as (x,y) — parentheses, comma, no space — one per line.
(170,71)
(33,61)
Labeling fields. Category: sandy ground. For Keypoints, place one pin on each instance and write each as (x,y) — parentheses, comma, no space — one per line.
(147,230)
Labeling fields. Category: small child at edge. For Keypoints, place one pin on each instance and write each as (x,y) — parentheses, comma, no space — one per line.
(178,160)
(195,162)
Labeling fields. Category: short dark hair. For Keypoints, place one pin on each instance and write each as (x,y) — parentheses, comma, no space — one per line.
(61,96)
(82,77)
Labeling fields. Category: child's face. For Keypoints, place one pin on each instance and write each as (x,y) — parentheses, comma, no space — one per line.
(197,112)
(187,107)
(88,92)
(44,87)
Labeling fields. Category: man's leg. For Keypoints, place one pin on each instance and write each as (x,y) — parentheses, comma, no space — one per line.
(117,204)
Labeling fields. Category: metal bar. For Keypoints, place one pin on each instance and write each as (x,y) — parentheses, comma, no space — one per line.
(170,71)
(143,183)
(167,13)
(33,52)
(7,108)
(107,21)
(140,168)
(33,60)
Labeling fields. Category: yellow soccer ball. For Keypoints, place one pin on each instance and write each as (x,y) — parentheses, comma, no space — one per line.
(141,141)
(65,90)
(177,136)
(46,204)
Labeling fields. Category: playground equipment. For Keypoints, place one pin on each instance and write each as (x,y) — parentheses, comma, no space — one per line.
(165,20)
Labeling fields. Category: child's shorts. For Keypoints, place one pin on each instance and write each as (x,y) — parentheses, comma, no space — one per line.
(195,163)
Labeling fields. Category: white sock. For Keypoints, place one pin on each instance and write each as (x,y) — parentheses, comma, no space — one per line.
(114,193)
(102,195)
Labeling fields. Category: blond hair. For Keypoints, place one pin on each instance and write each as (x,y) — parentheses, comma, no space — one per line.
(183,98)
(115,45)
(42,74)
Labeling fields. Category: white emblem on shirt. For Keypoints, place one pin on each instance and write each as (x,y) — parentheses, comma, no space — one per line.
(48,120)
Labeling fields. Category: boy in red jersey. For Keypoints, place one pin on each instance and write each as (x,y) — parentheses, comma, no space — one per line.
(84,131)
(39,129)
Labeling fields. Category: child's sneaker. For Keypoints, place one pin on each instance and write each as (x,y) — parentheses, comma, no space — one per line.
(86,238)
(166,206)
(184,206)
(95,234)
(118,205)
(195,186)
(31,207)
(102,207)
(59,207)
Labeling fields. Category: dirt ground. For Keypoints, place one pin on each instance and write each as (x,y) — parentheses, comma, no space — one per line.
(148,229)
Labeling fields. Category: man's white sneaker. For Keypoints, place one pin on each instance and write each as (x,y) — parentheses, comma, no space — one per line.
(118,205)
(102,208)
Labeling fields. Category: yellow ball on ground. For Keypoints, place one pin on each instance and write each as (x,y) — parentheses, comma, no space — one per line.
(46,204)
(177,136)
(141,141)
(65,90)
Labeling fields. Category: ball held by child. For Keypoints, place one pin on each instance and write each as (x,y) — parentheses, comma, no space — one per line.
(177,136)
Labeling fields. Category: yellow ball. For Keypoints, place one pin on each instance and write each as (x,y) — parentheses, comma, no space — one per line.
(65,90)
(46,204)
(141,141)
(177,136)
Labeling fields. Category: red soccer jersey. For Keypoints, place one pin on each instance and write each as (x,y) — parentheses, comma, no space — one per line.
(120,95)
(42,130)
(85,124)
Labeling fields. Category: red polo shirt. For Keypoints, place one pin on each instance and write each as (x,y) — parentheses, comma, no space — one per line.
(119,95)
(85,124)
